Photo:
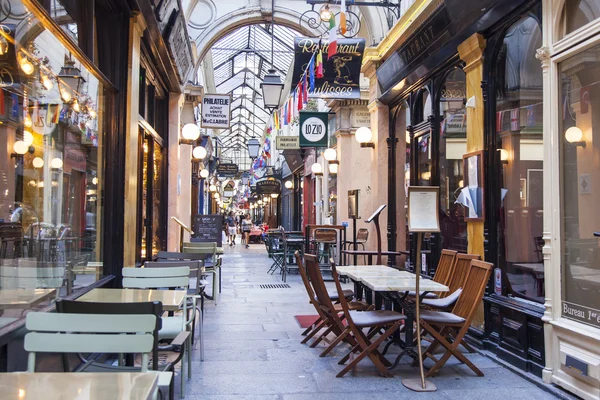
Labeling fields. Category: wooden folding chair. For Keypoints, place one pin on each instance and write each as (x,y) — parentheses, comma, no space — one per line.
(441,324)
(443,272)
(375,320)
(462,266)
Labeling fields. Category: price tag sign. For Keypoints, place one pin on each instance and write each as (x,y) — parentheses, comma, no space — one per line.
(313,129)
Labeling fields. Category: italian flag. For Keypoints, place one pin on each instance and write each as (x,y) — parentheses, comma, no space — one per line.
(343,17)
(332,49)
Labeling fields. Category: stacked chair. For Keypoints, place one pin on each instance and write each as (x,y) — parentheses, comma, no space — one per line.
(212,263)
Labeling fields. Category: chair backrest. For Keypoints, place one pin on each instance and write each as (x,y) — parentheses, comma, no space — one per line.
(444,268)
(193,265)
(322,297)
(343,301)
(325,235)
(89,307)
(462,265)
(362,235)
(200,244)
(86,333)
(208,251)
(173,255)
(304,275)
(151,278)
(470,298)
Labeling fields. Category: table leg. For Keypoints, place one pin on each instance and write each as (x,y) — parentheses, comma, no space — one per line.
(370,259)
(358,291)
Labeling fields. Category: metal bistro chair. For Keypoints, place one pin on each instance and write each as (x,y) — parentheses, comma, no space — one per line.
(328,238)
(212,263)
(86,333)
(361,239)
(278,252)
(143,308)
(156,278)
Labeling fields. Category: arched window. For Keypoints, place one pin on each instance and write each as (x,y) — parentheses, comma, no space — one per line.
(519,140)
(577,13)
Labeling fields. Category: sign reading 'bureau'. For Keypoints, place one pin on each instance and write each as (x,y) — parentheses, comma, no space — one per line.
(208,228)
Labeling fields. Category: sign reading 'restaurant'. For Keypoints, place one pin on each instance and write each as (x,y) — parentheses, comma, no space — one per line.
(216,111)
(341,73)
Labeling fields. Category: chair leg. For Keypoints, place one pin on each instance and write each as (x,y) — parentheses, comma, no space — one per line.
(312,333)
(190,357)
(201,336)
(182,373)
(310,328)
(335,342)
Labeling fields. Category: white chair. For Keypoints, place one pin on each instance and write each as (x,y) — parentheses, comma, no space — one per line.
(90,333)
(170,277)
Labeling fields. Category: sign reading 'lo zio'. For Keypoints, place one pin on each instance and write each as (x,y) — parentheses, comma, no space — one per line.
(313,129)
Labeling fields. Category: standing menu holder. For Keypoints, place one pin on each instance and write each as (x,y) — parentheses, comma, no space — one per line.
(423,216)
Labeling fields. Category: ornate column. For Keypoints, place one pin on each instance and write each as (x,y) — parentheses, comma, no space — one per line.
(471,52)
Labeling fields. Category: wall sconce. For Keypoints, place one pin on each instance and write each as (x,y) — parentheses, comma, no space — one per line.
(333,166)
(503,156)
(199,153)
(330,154)
(289,184)
(317,169)
(426,175)
(56,163)
(38,162)
(204,173)
(574,135)
(190,133)
(363,136)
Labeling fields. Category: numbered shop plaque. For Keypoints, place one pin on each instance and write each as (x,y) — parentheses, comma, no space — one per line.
(313,129)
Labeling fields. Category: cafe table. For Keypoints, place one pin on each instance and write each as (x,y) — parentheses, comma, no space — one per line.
(371,253)
(355,272)
(24,298)
(78,385)
(170,299)
(395,288)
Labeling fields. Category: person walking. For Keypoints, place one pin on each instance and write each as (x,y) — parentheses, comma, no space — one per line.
(231,228)
(246,227)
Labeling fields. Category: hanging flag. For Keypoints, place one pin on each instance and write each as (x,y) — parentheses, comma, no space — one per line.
(285,113)
(343,17)
(332,48)
(499,121)
(15,105)
(514,120)
(319,67)
(290,111)
(52,115)
(300,91)
(275,120)
(311,73)
(305,89)
(2,107)
(530,115)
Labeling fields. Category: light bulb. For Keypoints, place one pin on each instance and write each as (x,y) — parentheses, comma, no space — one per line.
(573,134)
(190,132)
(26,66)
(27,121)
(65,95)
(28,138)
(92,113)
(288,184)
(325,13)
(47,82)
(94,181)
(76,105)
(20,147)
(330,154)
(204,173)
(363,135)
(333,168)
(56,163)
(38,162)
(41,184)
(503,155)
(199,152)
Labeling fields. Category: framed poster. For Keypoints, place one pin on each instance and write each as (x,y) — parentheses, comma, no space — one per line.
(353,204)
(472,193)
(423,209)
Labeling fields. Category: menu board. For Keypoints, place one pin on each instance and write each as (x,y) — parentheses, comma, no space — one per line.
(423,209)
(208,228)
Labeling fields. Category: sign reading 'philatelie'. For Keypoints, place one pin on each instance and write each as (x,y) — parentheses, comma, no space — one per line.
(216,111)
(341,73)
(313,129)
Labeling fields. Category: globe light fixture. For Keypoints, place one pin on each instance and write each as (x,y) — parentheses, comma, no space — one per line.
(199,152)
(27,121)
(333,166)
(56,163)
(330,154)
(212,188)
(574,135)
(216,195)
(363,136)
(289,184)
(259,202)
(274,195)
(20,147)
(94,181)
(28,138)
(190,132)
(317,169)
(38,162)
(204,173)
(503,156)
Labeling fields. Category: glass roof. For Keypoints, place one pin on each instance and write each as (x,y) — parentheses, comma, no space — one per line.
(241,60)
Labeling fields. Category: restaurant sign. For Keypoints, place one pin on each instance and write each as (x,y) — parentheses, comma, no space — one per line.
(180,48)
(287,142)
(341,72)
(227,169)
(268,186)
(313,129)
(216,111)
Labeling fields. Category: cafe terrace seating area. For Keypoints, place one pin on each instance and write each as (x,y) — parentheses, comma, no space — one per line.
(237,323)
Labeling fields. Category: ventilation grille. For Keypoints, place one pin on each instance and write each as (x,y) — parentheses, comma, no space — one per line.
(276,286)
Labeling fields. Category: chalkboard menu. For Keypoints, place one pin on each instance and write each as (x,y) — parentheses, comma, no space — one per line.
(208,228)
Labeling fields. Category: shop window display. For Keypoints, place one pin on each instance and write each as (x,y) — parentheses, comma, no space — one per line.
(519,138)
(579,81)
(51,174)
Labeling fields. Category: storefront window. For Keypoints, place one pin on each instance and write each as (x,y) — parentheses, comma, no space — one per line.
(51,175)
(519,135)
(577,13)
(580,131)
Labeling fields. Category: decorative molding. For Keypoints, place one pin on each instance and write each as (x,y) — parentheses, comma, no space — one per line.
(471,51)
(543,54)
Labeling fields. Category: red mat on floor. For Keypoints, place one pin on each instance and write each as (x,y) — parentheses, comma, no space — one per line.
(306,320)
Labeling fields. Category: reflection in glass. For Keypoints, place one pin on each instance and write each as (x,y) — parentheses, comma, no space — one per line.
(519,117)
(577,13)
(50,210)
(580,91)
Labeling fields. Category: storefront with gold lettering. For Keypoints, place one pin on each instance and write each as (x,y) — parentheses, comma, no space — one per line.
(463,88)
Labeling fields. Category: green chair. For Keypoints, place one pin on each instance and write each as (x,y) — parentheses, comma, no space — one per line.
(212,263)
(88,333)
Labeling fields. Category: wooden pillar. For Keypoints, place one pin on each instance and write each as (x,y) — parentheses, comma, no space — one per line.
(471,52)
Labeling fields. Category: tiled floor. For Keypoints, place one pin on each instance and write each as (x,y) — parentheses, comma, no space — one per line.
(253,351)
